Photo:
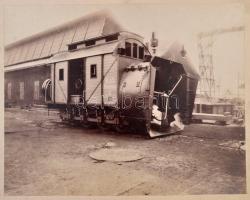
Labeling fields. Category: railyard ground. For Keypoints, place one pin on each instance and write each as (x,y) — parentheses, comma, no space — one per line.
(46,157)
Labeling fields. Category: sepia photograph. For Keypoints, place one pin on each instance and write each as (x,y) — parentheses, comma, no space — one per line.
(124,99)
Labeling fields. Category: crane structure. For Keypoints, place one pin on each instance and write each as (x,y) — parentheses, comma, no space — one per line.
(206,68)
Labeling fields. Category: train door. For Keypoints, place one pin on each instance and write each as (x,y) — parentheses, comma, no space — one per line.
(76,82)
(61,82)
(93,80)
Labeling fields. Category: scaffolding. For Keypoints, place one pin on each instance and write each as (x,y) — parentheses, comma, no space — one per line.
(206,68)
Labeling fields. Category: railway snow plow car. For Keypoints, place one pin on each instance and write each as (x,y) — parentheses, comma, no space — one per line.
(143,94)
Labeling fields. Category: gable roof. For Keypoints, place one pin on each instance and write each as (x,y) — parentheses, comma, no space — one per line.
(57,39)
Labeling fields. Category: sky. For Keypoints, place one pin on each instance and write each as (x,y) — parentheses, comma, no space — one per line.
(170,22)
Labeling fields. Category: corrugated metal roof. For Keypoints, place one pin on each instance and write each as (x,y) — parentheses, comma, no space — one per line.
(56,40)
(85,52)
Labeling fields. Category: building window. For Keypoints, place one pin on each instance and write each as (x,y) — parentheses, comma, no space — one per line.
(141,52)
(21,90)
(93,73)
(61,74)
(36,90)
(127,49)
(9,86)
(134,50)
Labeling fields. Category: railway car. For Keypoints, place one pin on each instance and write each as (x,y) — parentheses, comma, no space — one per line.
(95,72)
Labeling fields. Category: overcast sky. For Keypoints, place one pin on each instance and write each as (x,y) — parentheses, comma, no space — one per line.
(170,22)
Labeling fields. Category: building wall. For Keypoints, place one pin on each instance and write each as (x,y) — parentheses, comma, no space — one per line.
(24,87)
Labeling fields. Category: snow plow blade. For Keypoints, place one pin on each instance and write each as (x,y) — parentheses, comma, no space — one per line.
(155,133)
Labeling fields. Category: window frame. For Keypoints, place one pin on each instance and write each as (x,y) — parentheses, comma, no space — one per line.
(89,43)
(72,47)
(21,90)
(141,52)
(93,75)
(61,74)
(128,46)
(9,90)
(36,90)
(135,50)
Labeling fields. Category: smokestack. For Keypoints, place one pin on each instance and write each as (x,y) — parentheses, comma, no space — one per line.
(154,42)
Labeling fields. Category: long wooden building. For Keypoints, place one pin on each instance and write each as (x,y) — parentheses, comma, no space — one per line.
(52,53)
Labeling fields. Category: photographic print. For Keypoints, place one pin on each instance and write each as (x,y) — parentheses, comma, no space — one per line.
(126,99)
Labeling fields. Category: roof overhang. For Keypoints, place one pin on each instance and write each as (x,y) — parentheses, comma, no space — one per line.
(26,65)
(85,52)
(64,56)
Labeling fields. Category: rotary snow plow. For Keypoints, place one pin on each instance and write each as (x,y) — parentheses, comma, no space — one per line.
(158,96)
